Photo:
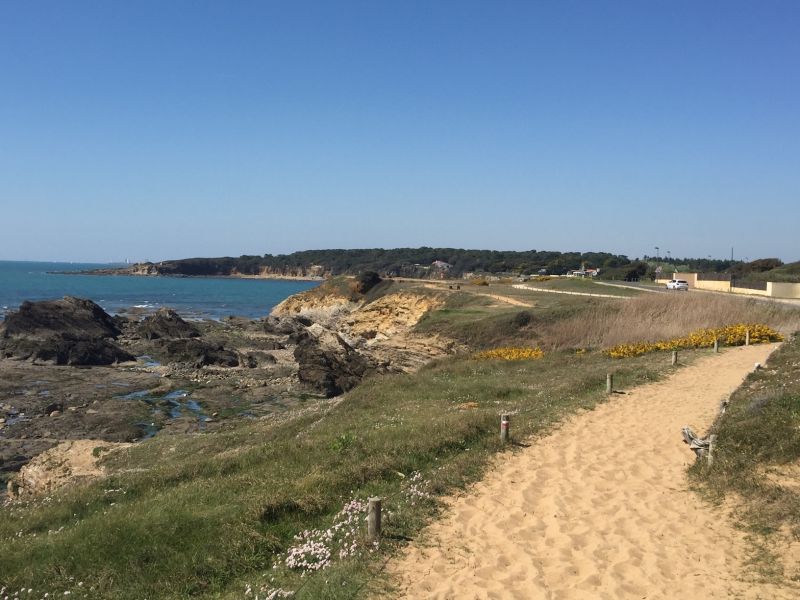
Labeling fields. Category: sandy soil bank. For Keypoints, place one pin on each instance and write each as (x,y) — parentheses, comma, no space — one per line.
(599,509)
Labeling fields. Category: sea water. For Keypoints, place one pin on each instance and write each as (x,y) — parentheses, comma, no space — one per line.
(192,297)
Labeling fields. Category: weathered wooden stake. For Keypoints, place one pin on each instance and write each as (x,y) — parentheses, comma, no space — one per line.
(373,520)
(747,338)
(674,357)
(712,439)
(609,383)
(504,429)
(716,344)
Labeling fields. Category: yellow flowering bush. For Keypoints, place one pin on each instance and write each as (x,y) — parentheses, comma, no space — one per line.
(730,335)
(510,353)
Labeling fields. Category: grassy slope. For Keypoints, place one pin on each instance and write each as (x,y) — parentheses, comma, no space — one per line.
(756,457)
(205,514)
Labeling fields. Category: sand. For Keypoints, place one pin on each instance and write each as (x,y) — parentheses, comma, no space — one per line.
(599,509)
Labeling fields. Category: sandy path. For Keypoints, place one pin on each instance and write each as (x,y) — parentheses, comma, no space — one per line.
(599,509)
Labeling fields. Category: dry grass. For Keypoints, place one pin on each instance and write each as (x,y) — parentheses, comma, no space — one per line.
(657,317)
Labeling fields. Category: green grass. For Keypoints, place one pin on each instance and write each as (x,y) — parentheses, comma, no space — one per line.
(480,323)
(585,286)
(756,459)
(204,515)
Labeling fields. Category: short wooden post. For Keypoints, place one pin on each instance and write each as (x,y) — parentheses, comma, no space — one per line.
(716,344)
(747,338)
(504,429)
(609,383)
(373,520)
(712,439)
(674,357)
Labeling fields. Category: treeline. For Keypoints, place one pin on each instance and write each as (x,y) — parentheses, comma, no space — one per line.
(396,262)
(455,262)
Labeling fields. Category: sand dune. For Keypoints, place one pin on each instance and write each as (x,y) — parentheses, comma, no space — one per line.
(599,509)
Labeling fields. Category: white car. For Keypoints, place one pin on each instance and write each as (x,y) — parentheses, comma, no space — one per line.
(678,284)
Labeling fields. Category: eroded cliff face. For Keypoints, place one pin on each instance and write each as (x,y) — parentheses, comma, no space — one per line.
(391,315)
(382,328)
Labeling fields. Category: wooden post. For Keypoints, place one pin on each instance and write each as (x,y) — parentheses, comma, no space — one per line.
(373,520)
(712,439)
(609,383)
(504,429)
(674,357)
(716,344)
(747,338)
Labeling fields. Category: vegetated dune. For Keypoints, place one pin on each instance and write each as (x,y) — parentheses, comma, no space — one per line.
(598,509)
(661,316)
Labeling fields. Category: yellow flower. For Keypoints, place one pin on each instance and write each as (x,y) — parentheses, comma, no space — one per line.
(510,353)
(730,335)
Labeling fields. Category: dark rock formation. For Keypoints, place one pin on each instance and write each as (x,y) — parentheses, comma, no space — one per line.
(71,331)
(198,353)
(327,363)
(284,325)
(166,323)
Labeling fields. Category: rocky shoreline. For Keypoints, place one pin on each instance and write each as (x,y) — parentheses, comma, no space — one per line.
(69,371)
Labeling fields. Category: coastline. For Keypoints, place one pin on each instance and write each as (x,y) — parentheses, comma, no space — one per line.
(111,273)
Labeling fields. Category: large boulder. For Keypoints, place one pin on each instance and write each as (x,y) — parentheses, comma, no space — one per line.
(70,331)
(328,363)
(166,323)
(198,353)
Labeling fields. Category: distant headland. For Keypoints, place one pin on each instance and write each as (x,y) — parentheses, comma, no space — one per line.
(445,263)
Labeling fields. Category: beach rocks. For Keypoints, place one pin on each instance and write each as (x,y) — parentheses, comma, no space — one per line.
(166,323)
(198,353)
(70,331)
(327,363)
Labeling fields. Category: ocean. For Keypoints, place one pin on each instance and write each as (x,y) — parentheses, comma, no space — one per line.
(195,298)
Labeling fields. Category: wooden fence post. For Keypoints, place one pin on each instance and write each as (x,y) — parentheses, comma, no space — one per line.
(609,383)
(716,344)
(674,357)
(373,520)
(504,429)
(747,338)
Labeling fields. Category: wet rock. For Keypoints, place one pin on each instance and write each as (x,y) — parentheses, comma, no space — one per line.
(282,325)
(53,407)
(327,363)
(166,323)
(70,331)
(198,353)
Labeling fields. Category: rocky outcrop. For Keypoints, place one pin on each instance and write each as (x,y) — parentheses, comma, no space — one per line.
(390,315)
(70,331)
(327,363)
(166,323)
(66,463)
(198,353)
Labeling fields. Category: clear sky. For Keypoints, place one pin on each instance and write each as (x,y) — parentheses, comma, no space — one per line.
(154,130)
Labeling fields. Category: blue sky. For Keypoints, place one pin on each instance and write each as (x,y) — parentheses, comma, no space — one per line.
(154,130)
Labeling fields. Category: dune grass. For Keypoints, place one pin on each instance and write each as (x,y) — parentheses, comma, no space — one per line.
(756,460)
